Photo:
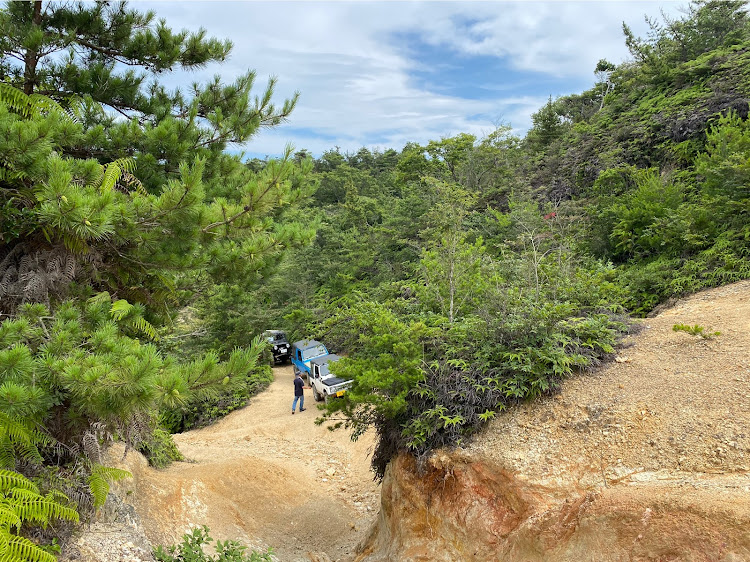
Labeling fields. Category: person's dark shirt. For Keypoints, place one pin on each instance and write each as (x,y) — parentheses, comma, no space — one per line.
(299,384)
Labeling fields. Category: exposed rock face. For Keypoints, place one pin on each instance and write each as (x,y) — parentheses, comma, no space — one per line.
(646,459)
(116,535)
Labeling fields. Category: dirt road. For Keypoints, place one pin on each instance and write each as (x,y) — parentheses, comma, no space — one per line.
(264,477)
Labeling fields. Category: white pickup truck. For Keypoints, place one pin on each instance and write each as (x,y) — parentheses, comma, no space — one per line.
(324,384)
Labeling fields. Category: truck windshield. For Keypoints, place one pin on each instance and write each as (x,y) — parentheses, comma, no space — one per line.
(316,351)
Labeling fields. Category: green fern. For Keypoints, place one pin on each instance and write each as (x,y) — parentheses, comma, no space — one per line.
(29,106)
(143,326)
(114,171)
(100,479)
(10,480)
(21,502)
(15,99)
(19,439)
(20,549)
(120,309)
(131,316)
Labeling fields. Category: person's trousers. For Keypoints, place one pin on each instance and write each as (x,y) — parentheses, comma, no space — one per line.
(301,402)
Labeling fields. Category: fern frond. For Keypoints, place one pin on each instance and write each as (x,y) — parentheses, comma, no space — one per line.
(99,481)
(15,99)
(21,549)
(112,474)
(91,447)
(126,164)
(8,518)
(133,183)
(19,440)
(115,170)
(29,106)
(21,502)
(145,327)
(7,174)
(74,244)
(131,316)
(112,173)
(32,507)
(10,480)
(7,455)
(120,309)
(43,104)
(99,488)
(74,109)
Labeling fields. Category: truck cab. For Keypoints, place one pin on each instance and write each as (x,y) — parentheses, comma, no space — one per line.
(325,385)
(303,352)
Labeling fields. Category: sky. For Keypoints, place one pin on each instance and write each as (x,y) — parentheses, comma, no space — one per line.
(381,74)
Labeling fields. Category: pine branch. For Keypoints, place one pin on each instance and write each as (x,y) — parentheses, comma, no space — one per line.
(250,207)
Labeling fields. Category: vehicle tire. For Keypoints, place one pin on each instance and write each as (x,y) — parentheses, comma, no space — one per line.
(295,369)
(316,395)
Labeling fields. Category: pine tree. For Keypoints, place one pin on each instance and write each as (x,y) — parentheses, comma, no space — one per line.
(71,51)
(109,179)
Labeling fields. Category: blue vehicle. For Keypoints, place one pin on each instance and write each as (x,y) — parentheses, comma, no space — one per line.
(303,352)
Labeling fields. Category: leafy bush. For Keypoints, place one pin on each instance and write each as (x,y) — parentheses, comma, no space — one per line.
(424,382)
(160,449)
(193,543)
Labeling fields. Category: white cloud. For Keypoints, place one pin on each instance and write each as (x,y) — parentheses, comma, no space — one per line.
(357,83)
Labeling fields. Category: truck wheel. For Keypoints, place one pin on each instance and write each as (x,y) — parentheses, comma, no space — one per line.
(315,394)
(295,369)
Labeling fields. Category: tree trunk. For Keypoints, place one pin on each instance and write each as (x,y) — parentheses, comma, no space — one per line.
(32,56)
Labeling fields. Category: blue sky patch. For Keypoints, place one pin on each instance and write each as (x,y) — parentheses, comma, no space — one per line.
(442,70)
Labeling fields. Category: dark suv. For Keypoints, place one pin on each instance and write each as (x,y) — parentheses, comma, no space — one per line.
(280,347)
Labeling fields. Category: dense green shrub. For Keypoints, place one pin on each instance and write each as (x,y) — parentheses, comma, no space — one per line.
(426,381)
(672,238)
(160,449)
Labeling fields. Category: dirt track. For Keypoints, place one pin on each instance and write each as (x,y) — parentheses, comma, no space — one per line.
(265,477)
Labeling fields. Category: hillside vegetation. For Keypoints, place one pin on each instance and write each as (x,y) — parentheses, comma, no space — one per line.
(139,258)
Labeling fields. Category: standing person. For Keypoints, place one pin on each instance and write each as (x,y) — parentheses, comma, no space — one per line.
(299,386)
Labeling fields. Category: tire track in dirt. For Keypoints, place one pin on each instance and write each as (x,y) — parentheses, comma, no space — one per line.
(264,477)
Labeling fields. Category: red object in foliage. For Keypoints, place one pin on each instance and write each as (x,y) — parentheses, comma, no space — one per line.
(550,215)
